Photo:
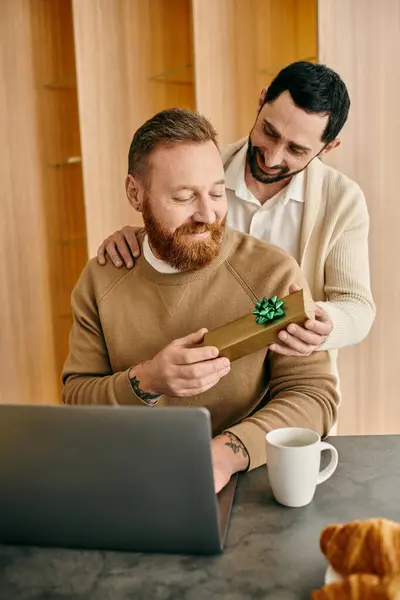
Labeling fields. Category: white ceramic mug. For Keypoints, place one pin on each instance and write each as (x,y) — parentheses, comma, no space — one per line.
(293,462)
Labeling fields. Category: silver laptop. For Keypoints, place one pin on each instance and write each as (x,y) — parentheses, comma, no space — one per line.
(128,478)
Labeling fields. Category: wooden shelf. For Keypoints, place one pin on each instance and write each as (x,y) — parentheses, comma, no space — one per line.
(181,75)
(72,242)
(68,82)
(71,161)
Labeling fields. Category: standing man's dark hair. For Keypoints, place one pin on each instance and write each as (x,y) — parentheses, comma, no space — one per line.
(315,89)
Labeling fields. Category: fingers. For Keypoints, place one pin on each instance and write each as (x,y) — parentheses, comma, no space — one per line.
(284,350)
(321,325)
(202,370)
(206,384)
(109,247)
(321,314)
(288,345)
(293,288)
(131,242)
(302,341)
(119,243)
(121,247)
(322,317)
(192,339)
(189,356)
(112,251)
(295,344)
(193,387)
(197,372)
(193,379)
(319,328)
(311,338)
(101,254)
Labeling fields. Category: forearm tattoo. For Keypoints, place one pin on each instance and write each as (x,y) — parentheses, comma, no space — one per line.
(235,444)
(145,396)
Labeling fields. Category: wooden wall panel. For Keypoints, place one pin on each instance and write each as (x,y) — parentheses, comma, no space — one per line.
(286,32)
(125,53)
(171,54)
(27,368)
(58,121)
(240,45)
(361,40)
(216,73)
(106,88)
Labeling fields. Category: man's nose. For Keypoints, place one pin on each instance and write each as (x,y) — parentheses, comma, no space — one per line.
(205,212)
(273,157)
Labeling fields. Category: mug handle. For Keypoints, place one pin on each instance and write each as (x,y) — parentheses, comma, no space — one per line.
(331,468)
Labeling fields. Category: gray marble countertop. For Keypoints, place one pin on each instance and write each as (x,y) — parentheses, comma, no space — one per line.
(271,551)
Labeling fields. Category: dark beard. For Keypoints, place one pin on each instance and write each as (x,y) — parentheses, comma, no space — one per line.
(281,172)
(176,249)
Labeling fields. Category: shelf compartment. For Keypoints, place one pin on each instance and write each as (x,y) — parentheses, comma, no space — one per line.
(72,160)
(181,75)
(68,82)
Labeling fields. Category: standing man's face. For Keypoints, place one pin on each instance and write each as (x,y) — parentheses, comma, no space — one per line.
(183,203)
(284,140)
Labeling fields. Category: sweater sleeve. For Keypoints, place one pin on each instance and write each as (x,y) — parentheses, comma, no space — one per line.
(301,394)
(302,391)
(349,301)
(87,375)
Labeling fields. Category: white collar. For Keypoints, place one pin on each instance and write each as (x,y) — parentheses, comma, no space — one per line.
(235,181)
(159,265)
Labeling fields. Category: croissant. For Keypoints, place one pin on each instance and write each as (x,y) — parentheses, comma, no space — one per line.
(361,587)
(370,546)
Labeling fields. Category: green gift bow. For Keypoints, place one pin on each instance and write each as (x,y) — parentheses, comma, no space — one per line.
(268,309)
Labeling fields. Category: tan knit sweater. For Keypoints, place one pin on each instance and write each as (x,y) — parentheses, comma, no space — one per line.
(123,317)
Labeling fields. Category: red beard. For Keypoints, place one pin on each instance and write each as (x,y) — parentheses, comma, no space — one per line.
(179,249)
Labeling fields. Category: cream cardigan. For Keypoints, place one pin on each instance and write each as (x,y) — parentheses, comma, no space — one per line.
(334,250)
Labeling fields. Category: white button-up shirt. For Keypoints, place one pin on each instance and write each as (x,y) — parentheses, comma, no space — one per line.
(277,221)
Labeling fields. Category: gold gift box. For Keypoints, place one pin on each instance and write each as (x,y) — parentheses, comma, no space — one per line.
(244,336)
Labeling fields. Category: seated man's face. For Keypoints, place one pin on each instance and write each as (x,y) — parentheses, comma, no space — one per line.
(184,204)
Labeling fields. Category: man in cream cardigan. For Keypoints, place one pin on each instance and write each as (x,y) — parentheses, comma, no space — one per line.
(280,191)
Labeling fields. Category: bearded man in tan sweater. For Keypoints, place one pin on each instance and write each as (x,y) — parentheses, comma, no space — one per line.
(137,334)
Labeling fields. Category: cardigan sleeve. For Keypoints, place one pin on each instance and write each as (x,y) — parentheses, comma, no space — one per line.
(347,289)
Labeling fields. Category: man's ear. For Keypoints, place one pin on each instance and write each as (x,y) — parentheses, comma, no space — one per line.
(261,99)
(133,192)
(333,144)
